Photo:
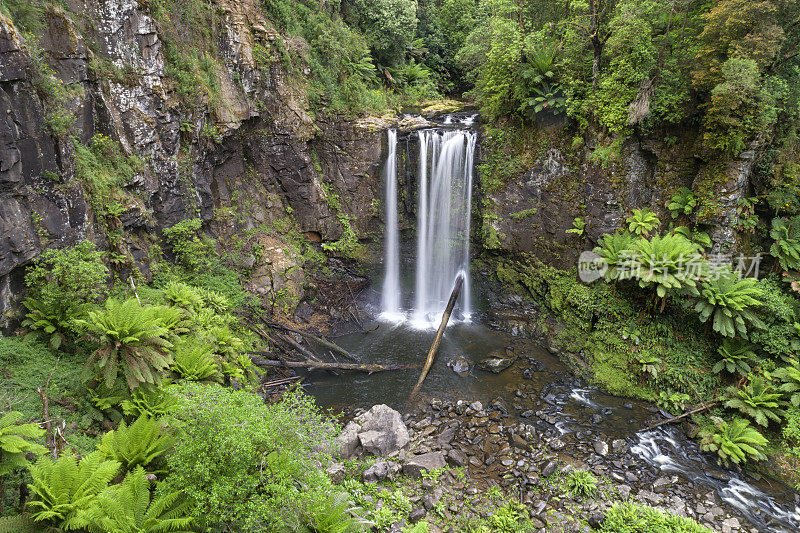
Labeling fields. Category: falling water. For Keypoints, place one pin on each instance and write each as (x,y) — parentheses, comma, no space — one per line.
(444,204)
(443,220)
(390,302)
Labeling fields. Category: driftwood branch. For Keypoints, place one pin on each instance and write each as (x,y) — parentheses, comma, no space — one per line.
(674,419)
(319,340)
(438,338)
(316,365)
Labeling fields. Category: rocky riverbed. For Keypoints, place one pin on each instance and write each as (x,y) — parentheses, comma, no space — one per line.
(485,447)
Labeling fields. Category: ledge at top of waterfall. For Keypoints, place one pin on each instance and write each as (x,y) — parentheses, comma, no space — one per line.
(444,204)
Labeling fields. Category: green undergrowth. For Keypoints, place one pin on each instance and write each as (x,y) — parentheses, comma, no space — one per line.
(632,517)
(607,325)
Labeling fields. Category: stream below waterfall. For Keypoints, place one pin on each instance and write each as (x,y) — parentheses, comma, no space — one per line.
(537,389)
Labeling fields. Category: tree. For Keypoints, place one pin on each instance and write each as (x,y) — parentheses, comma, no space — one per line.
(388,25)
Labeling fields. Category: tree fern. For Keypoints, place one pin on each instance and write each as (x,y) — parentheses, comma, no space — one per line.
(129,508)
(728,301)
(130,339)
(615,248)
(736,442)
(63,487)
(14,443)
(51,321)
(758,400)
(193,361)
(142,443)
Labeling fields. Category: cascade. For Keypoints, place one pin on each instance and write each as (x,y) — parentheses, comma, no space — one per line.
(390,299)
(444,204)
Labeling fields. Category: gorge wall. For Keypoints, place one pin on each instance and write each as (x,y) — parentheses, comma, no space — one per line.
(255,158)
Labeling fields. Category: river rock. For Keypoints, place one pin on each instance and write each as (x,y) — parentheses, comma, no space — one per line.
(382,431)
(457,457)
(549,468)
(619,445)
(336,471)
(417,514)
(601,447)
(415,465)
(347,443)
(459,365)
(376,472)
(596,520)
(495,364)
(432,498)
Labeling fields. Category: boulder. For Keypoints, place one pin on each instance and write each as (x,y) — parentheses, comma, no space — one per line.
(459,365)
(425,462)
(382,431)
(376,472)
(495,364)
(347,443)
(457,458)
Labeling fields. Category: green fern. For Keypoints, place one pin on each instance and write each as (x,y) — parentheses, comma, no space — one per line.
(736,357)
(736,442)
(152,401)
(786,245)
(758,400)
(642,222)
(52,322)
(728,300)
(616,249)
(19,524)
(183,296)
(130,508)
(193,361)
(63,487)
(214,300)
(578,227)
(664,264)
(131,337)
(683,203)
(335,515)
(789,376)
(142,443)
(14,443)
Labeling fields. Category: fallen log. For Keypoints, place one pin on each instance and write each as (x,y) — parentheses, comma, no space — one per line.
(316,365)
(439,333)
(319,340)
(284,339)
(681,416)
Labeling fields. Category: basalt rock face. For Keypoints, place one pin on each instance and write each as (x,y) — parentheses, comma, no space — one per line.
(532,212)
(240,163)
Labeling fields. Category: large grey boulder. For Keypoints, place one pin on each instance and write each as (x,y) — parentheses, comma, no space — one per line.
(347,443)
(382,431)
(425,462)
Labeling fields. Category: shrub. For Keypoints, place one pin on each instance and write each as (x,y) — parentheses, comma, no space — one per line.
(736,442)
(131,337)
(247,465)
(142,444)
(68,275)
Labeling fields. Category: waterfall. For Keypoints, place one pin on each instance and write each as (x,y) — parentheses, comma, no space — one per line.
(444,204)
(390,301)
